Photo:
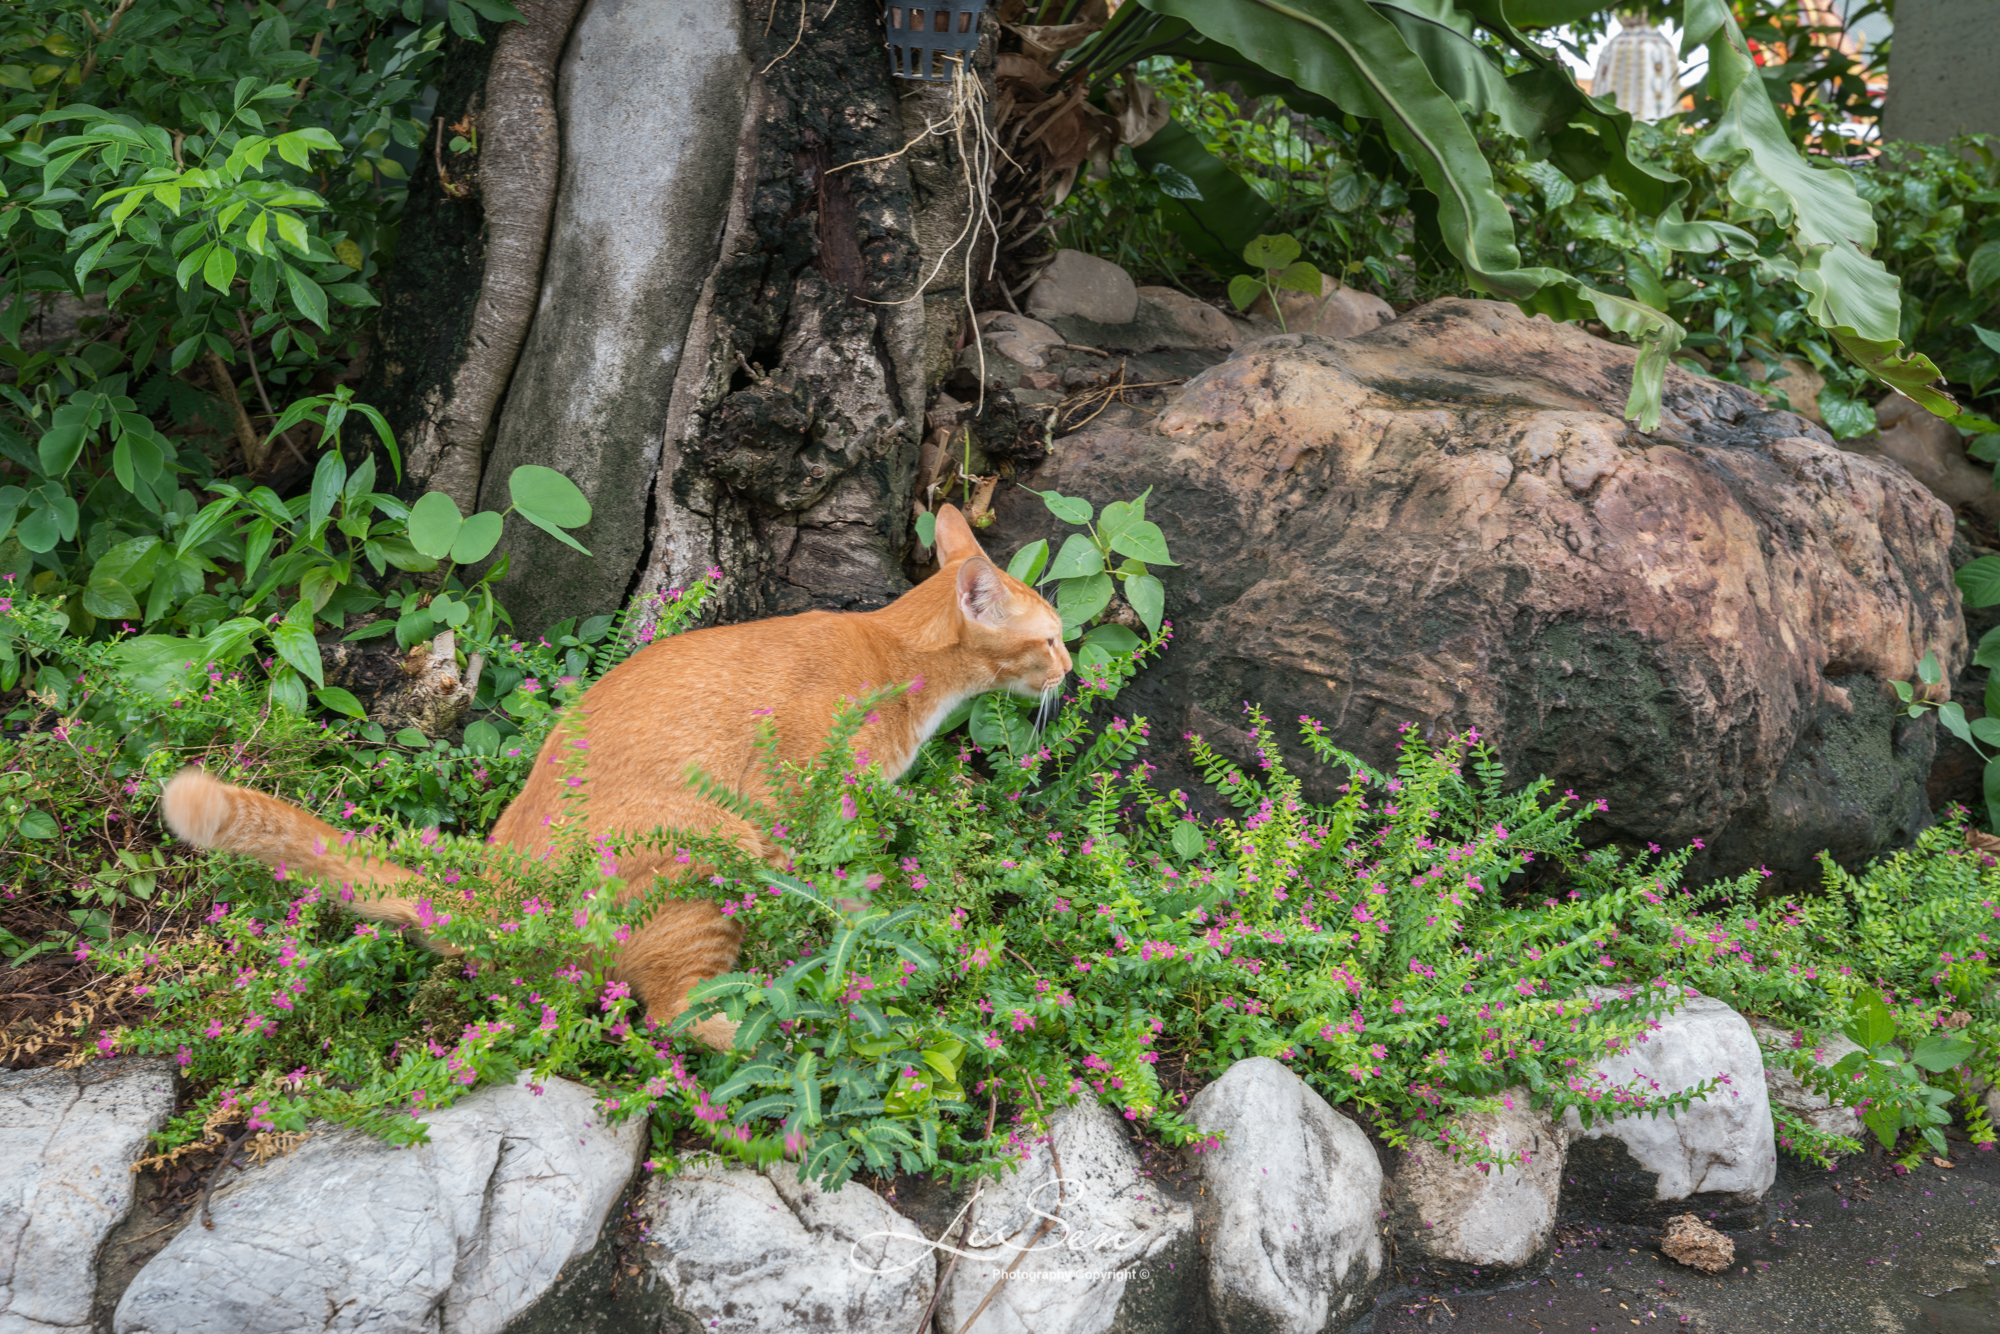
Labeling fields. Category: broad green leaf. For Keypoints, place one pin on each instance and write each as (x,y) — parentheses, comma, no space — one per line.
(1928,670)
(1077,600)
(295,643)
(1982,270)
(482,738)
(1143,541)
(1302,277)
(1113,637)
(219,270)
(1027,565)
(1869,1022)
(1079,558)
(1271,252)
(37,823)
(1244,291)
(1188,840)
(307,295)
(59,448)
(927,530)
(1067,508)
(154,664)
(550,501)
(329,477)
(1938,1053)
(1148,597)
(108,599)
(476,538)
(343,701)
(1953,718)
(434,524)
(1990,780)
(1979,581)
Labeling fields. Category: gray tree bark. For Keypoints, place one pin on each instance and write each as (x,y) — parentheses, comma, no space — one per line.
(721,349)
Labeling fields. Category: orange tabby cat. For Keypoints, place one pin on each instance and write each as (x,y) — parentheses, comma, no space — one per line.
(694,701)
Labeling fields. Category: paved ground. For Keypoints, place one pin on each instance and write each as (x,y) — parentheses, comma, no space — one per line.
(1857,1249)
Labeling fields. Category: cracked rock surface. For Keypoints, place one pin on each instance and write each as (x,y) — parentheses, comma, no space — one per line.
(1122,1256)
(1291,1206)
(1447,521)
(1719,1152)
(349,1233)
(66,1140)
(742,1252)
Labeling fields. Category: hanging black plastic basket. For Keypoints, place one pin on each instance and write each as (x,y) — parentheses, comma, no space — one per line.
(929,41)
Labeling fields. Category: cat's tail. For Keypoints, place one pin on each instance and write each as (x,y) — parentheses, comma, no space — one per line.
(293,842)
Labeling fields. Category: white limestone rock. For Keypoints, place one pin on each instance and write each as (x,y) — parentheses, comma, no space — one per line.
(67,1141)
(742,1252)
(1122,1259)
(350,1233)
(1790,1092)
(1291,1212)
(1449,1211)
(1018,338)
(1720,1147)
(1084,285)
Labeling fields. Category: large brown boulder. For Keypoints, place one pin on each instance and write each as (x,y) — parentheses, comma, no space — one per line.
(1446,521)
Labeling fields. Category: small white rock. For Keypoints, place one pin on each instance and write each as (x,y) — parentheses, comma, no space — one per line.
(1122,1254)
(1291,1207)
(351,1233)
(1018,338)
(743,1252)
(1078,284)
(67,1141)
(1502,1218)
(1790,1092)
(1722,1144)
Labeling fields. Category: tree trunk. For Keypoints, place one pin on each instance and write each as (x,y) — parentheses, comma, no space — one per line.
(725,353)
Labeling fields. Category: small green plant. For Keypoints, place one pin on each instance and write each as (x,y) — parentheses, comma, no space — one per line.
(1980,581)
(1888,1074)
(1278,268)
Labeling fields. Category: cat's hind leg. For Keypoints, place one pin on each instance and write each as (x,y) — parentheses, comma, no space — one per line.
(685,942)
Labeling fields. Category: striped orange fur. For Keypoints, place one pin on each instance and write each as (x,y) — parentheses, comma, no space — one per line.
(693,702)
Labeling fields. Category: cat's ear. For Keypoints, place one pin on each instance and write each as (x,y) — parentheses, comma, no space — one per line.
(981,595)
(955,541)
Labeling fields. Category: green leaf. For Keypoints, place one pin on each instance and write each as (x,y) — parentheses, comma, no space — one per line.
(549,500)
(306,295)
(59,448)
(219,270)
(1990,780)
(1271,252)
(1869,1022)
(1078,559)
(109,599)
(1982,270)
(1077,600)
(1302,277)
(1027,565)
(476,538)
(1143,541)
(1846,416)
(1928,670)
(341,701)
(1885,1119)
(482,738)
(1188,840)
(295,643)
(434,524)
(1148,597)
(927,530)
(1939,1053)
(1988,337)
(1114,638)
(1244,291)
(1953,718)
(1979,581)
(1066,508)
(37,823)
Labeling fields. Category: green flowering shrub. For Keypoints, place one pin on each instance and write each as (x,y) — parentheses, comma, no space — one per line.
(1007,927)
